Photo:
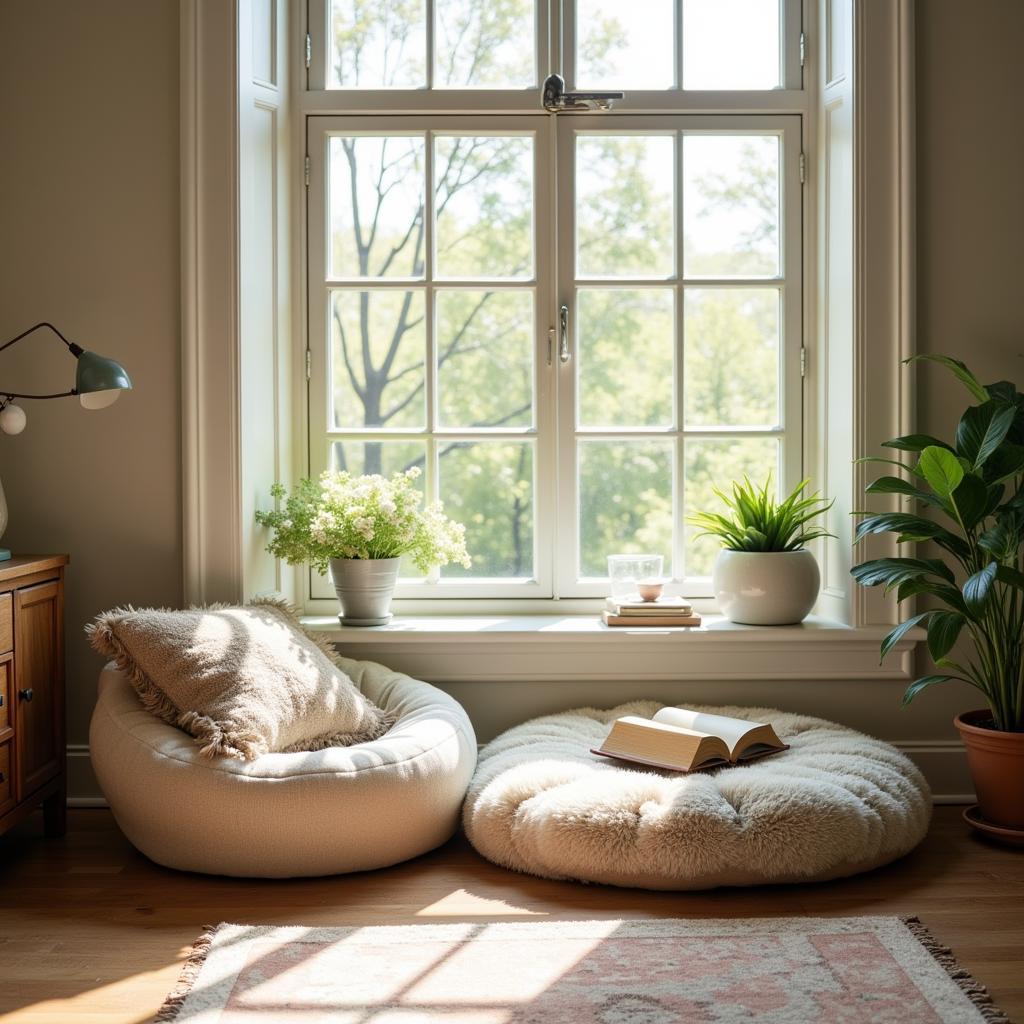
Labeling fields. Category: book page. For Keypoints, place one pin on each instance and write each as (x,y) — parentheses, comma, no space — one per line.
(732,730)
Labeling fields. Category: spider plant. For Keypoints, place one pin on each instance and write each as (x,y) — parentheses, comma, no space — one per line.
(973,490)
(756,521)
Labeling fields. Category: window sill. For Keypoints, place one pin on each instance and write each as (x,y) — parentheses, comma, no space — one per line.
(578,647)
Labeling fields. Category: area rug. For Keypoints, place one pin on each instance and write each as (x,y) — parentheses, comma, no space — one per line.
(868,970)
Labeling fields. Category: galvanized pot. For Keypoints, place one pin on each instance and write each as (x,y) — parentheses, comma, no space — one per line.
(364,587)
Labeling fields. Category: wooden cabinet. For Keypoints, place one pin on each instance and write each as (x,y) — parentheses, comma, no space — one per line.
(32,730)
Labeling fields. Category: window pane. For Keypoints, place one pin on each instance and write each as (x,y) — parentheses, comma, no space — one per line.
(624,206)
(731,356)
(711,464)
(731,205)
(624,46)
(625,490)
(730,44)
(376,206)
(484,203)
(488,487)
(624,357)
(485,358)
(378,44)
(485,44)
(378,347)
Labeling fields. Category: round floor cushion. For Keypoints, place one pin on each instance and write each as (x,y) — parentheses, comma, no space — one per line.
(836,803)
(316,813)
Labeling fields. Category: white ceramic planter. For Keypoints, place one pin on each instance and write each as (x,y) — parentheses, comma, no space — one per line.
(766,588)
(364,587)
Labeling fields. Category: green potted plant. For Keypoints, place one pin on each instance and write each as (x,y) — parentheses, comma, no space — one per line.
(764,575)
(360,527)
(973,490)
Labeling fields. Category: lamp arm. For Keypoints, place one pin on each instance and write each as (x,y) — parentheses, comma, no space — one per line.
(74,349)
(6,396)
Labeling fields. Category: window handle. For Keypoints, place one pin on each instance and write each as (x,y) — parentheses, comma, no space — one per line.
(555,99)
(563,334)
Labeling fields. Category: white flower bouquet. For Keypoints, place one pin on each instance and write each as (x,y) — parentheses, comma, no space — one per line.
(346,516)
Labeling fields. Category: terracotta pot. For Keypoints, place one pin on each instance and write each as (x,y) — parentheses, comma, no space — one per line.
(996,760)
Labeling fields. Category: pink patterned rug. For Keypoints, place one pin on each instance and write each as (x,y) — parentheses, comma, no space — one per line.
(861,970)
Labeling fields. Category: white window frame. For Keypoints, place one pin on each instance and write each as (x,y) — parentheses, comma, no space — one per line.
(322,128)
(871,390)
(784,110)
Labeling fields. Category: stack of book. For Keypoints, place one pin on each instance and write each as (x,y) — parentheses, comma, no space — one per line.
(634,611)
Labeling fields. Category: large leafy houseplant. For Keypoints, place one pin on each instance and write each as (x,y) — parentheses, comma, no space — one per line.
(973,492)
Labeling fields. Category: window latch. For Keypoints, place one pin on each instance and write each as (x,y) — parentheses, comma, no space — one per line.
(555,99)
(563,335)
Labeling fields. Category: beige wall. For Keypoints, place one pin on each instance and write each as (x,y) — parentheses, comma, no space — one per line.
(89,240)
(89,230)
(970,210)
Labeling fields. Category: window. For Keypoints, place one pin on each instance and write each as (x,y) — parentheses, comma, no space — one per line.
(577,325)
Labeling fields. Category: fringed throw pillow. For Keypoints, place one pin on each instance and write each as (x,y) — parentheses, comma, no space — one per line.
(243,680)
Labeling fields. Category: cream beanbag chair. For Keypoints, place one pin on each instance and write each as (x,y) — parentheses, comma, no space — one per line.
(836,803)
(287,814)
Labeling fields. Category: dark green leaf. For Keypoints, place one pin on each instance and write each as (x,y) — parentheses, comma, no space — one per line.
(922,684)
(898,522)
(971,500)
(893,571)
(1002,540)
(982,429)
(978,587)
(915,443)
(889,462)
(1005,391)
(897,485)
(943,630)
(995,495)
(1005,462)
(941,469)
(959,371)
(897,634)
(1011,577)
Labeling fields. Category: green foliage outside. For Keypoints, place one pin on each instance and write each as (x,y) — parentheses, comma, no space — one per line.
(973,492)
(626,337)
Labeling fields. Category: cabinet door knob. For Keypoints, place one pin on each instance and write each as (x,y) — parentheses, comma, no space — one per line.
(3,778)
(1,700)
(26,695)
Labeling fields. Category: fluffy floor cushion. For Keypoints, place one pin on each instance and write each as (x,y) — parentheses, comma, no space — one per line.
(838,802)
(287,814)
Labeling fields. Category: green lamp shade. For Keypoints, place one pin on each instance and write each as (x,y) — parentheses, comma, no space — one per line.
(99,381)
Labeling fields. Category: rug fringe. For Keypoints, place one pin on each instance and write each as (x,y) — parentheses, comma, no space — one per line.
(943,955)
(190,969)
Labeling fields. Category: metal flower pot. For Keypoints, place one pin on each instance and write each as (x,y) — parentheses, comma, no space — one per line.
(364,587)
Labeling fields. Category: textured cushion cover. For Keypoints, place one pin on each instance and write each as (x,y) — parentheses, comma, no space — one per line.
(242,680)
(335,810)
(836,803)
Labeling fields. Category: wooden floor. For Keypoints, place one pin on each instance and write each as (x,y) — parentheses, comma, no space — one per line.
(92,931)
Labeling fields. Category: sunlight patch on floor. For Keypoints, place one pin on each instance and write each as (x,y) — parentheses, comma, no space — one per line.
(462,903)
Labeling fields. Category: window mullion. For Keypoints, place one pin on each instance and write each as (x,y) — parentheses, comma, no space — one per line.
(679,453)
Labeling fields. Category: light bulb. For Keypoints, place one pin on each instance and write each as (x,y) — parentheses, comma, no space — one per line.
(12,419)
(99,399)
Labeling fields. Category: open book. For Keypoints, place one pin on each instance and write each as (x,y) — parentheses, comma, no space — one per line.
(686,741)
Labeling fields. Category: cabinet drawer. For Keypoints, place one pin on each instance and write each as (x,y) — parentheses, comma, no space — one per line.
(6,782)
(6,623)
(6,690)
